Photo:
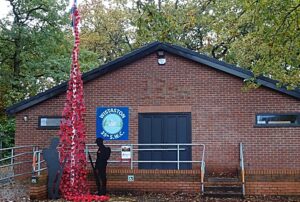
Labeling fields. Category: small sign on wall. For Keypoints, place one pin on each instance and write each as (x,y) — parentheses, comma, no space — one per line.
(112,123)
(130,178)
(126,152)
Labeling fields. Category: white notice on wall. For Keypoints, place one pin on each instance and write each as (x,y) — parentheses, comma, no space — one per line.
(43,121)
(126,152)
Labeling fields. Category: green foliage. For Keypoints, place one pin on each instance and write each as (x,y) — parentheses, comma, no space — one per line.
(262,36)
(185,24)
(33,44)
(106,30)
(35,51)
(7,131)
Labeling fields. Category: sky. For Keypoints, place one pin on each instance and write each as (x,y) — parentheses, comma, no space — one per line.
(5,8)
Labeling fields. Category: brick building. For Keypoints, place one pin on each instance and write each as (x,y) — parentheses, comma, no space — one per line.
(187,98)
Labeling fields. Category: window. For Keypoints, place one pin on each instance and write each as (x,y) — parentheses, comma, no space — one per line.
(292,119)
(49,122)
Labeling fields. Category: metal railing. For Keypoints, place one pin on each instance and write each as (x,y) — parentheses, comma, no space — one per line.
(10,161)
(158,147)
(38,164)
(242,167)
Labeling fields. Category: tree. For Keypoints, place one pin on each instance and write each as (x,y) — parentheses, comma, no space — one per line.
(184,23)
(32,46)
(35,49)
(106,29)
(262,36)
(7,131)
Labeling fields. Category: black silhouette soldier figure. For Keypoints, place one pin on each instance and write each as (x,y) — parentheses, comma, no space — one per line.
(103,155)
(54,168)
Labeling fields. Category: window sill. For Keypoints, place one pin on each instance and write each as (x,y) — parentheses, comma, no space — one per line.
(275,126)
(47,128)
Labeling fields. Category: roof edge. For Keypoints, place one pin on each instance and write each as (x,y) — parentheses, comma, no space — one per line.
(142,52)
(230,69)
(90,75)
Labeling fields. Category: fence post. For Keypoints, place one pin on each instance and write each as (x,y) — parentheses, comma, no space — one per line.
(12,160)
(131,156)
(39,163)
(242,167)
(33,159)
(0,148)
(178,167)
(86,152)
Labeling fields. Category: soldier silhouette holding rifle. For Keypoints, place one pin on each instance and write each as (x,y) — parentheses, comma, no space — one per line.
(103,155)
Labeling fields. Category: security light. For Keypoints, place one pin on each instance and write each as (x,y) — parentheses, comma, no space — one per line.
(25,118)
(161,57)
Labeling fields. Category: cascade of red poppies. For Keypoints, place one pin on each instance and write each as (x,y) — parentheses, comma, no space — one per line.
(72,129)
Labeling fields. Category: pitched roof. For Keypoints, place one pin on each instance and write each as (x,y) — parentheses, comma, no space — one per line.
(142,52)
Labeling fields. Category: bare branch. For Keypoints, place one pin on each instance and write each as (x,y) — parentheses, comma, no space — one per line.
(40,7)
(15,11)
(128,42)
(159,5)
(18,15)
(176,4)
(286,17)
(217,47)
(206,4)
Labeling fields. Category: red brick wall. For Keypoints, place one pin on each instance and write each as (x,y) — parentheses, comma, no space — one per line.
(144,180)
(150,180)
(222,115)
(258,182)
(273,182)
(273,188)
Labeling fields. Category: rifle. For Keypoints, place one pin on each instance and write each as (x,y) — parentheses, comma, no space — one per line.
(95,173)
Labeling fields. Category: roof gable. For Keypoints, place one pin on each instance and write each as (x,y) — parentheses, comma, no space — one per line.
(142,52)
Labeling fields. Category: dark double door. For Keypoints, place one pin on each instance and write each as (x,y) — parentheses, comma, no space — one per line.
(164,128)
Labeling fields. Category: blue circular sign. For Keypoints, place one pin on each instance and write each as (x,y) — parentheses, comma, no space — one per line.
(112,123)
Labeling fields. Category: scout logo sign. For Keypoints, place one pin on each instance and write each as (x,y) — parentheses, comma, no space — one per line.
(112,123)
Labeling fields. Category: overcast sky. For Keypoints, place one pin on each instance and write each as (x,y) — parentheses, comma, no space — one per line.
(5,8)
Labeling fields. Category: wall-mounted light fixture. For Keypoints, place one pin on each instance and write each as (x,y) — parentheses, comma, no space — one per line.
(25,118)
(161,57)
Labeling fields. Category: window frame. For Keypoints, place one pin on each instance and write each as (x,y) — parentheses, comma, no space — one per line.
(48,127)
(275,125)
